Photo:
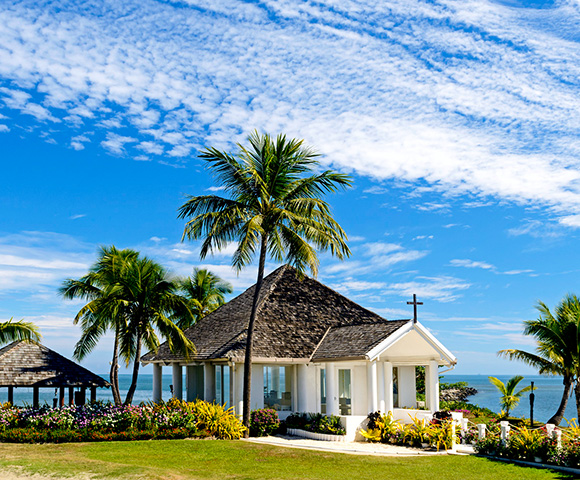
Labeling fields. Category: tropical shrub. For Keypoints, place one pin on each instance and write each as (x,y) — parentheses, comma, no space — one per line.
(263,422)
(316,422)
(384,429)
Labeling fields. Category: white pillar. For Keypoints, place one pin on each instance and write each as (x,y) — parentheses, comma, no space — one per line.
(177,378)
(257,393)
(331,390)
(389,404)
(433,386)
(373,386)
(209,382)
(239,387)
(307,388)
(481,431)
(157,382)
(381,386)
(294,387)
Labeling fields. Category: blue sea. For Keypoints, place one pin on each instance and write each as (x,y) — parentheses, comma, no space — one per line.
(547,394)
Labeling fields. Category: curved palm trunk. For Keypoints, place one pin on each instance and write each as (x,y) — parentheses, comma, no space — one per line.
(250,339)
(577,394)
(114,374)
(136,364)
(559,415)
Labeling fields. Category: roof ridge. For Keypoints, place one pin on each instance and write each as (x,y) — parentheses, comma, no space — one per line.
(263,296)
(318,344)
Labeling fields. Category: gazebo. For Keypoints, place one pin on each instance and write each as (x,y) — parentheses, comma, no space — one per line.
(30,364)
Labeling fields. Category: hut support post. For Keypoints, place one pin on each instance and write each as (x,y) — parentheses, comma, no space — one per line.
(93,394)
(177,377)
(83,395)
(35,397)
(71,395)
(61,397)
(157,382)
(11,395)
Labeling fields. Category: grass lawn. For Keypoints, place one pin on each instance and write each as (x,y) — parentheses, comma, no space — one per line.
(212,459)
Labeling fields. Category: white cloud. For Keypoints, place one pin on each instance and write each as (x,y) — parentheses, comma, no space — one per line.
(216,189)
(441,289)
(482,98)
(4,128)
(115,143)
(471,264)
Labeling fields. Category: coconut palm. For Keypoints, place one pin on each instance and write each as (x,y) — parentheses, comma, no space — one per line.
(103,311)
(509,397)
(150,299)
(557,351)
(134,297)
(205,292)
(12,331)
(274,208)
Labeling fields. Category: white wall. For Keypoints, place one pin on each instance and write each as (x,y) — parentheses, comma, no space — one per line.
(359,390)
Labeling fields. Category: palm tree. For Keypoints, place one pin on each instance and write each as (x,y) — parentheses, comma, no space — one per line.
(557,352)
(133,296)
(150,300)
(205,292)
(510,398)
(103,312)
(12,331)
(274,208)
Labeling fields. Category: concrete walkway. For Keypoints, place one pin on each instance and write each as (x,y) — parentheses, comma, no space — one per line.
(354,448)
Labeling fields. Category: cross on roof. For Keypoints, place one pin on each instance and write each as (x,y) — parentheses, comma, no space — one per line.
(414,303)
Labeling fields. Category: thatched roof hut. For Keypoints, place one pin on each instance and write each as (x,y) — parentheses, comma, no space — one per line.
(30,364)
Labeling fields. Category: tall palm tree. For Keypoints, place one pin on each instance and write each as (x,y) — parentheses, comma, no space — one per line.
(134,297)
(274,207)
(205,291)
(557,351)
(103,312)
(12,331)
(150,300)
(509,397)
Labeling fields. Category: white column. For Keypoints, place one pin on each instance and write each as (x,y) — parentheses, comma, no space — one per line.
(389,403)
(157,382)
(294,387)
(209,382)
(239,386)
(381,386)
(373,386)
(331,390)
(257,393)
(177,377)
(433,391)
(305,388)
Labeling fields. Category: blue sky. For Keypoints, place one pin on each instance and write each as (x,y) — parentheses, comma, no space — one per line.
(458,120)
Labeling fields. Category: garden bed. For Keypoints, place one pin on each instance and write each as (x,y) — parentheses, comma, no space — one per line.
(96,422)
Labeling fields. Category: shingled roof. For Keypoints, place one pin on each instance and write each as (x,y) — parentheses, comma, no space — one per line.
(298,318)
(28,364)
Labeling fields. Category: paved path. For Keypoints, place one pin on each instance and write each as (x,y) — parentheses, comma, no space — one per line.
(356,448)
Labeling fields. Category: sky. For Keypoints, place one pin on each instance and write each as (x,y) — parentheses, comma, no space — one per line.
(458,121)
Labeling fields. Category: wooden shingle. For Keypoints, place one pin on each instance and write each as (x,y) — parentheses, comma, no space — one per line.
(294,314)
(28,364)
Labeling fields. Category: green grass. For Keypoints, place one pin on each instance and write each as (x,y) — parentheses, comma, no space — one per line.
(211,459)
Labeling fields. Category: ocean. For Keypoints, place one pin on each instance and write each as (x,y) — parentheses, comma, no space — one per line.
(548,393)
